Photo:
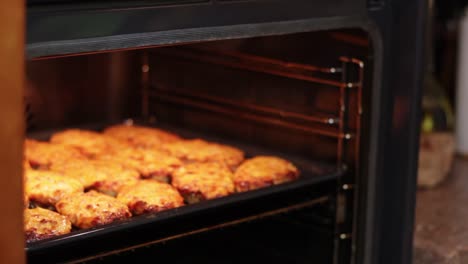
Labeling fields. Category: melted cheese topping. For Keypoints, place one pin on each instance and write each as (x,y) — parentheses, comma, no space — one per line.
(147,162)
(263,171)
(150,196)
(43,154)
(211,180)
(142,137)
(41,223)
(47,187)
(91,209)
(104,176)
(89,143)
(198,150)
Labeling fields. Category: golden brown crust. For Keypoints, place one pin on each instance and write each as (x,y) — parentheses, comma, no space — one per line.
(43,154)
(89,143)
(141,137)
(197,150)
(104,176)
(208,180)
(48,187)
(149,196)
(263,171)
(86,210)
(42,223)
(149,163)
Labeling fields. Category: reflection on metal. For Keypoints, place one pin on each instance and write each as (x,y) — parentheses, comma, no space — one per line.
(255,117)
(257,64)
(316,116)
(345,236)
(249,58)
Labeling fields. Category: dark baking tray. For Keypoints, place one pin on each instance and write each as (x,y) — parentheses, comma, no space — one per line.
(316,184)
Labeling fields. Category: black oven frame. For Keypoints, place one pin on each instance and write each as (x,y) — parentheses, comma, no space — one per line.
(396,29)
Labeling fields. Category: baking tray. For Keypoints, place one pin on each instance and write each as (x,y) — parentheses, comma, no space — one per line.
(317,184)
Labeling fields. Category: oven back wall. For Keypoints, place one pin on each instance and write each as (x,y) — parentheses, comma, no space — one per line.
(81,90)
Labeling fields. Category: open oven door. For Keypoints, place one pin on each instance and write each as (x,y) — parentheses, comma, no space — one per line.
(11,130)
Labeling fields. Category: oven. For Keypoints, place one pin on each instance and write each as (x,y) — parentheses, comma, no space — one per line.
(332,86)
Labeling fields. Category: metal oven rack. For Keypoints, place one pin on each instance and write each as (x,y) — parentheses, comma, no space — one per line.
(347,78)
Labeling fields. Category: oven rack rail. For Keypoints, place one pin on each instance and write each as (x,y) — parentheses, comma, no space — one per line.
(261,64)
(264,115)
(347,78)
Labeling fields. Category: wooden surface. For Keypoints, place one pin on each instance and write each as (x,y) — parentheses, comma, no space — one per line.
(441,228)
(11,130)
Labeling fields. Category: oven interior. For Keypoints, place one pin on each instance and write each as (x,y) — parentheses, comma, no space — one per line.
(301,96)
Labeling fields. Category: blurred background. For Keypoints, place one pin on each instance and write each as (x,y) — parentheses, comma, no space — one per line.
(441,226)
